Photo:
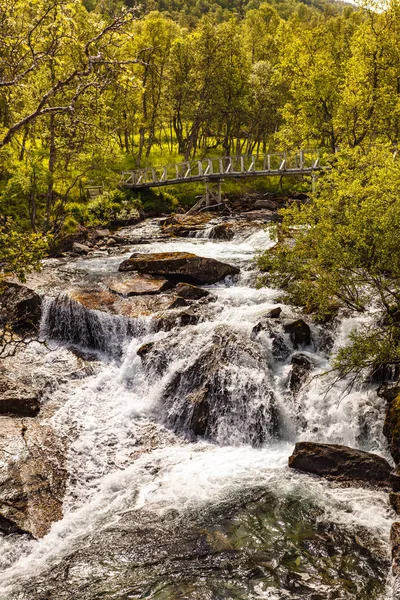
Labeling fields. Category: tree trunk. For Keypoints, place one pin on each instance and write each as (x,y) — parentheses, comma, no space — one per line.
(52,163)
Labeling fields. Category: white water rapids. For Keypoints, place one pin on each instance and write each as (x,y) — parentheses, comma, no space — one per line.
(123,459)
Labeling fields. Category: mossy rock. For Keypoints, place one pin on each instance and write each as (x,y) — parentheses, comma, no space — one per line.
(391,428)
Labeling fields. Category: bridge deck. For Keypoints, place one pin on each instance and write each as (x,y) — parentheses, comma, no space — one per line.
(214,169)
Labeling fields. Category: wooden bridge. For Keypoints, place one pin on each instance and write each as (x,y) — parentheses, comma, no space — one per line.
(215,169)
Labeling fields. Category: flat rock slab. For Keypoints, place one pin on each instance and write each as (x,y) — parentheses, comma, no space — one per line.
(32,477)
(104,301)
(341,464)
(180,266)
(139,285)
(17,399)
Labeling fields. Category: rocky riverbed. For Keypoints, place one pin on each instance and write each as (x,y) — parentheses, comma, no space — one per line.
(145,439)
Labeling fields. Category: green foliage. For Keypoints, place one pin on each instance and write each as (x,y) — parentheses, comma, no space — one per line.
(156,202)
(342,249)
(20,253)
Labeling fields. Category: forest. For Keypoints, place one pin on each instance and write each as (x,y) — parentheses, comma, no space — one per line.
(89,89)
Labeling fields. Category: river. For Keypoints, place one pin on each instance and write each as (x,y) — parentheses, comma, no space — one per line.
(152,510)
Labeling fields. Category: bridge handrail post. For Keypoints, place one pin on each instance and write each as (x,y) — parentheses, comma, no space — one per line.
(221,166)
(210,164)
(200,167)
(242,164)
(301,159)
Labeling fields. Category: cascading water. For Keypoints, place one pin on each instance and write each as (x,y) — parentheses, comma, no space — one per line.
(178,484)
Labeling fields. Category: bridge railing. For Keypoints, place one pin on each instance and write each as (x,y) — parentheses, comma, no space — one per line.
(227,165)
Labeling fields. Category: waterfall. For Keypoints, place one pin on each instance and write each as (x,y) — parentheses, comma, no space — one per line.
(178,483)
(66,320)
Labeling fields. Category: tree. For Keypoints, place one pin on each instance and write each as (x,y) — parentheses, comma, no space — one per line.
(44,34)
(57,66)
(342,250)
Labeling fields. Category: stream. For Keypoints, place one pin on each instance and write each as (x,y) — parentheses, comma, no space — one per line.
(153,510)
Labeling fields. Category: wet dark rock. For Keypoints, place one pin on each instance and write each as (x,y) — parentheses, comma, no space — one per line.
(275,313)
(180,266)
(280,348)
(302,365)
(170,320)
(389,393)
(32,485)
(391,428)
(18,399)
(178,303)
(299,332)
(156,356)
(20,307)
(145,349)
(341,464)
(139,285)
(187,226)
(223,231)
(394,499)
(395,480)
(191,292)
(181,230)
(78,248)
(215,397)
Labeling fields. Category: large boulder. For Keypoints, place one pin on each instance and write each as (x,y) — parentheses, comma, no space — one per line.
(32,477)
(341,464)
(18,399)
(139,285)
(20,307)
(179,266)
(223,393)
(391,427)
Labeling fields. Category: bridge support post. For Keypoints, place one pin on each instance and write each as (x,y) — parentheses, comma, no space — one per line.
(314,178)
(213,195)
